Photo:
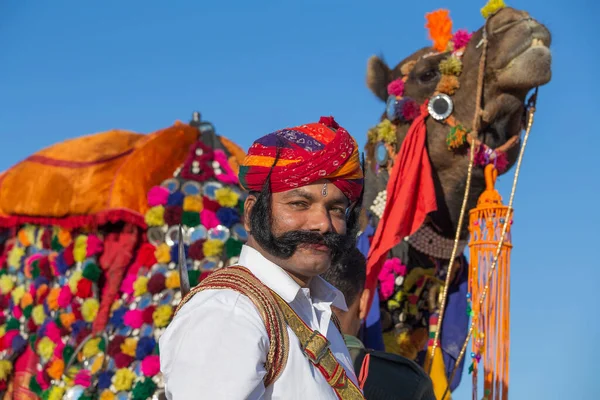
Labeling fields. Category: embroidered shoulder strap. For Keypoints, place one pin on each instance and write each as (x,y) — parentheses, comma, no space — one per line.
(243,281)
(316,348)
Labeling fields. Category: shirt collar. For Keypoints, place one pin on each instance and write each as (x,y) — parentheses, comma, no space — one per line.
(282,283)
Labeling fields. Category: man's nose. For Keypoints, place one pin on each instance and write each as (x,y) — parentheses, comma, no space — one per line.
(319,220)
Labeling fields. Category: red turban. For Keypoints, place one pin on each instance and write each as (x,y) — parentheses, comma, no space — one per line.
(307,153)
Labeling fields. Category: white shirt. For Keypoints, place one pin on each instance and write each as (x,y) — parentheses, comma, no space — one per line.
(216,346)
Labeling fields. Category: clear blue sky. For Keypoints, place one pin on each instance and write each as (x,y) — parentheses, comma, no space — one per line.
(69,68)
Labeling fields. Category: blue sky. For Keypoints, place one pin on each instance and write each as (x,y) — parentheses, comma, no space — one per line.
(70,68)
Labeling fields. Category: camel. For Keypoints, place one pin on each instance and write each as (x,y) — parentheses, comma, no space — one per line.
(517,59)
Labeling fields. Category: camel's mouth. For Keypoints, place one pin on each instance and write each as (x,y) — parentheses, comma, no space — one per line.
(529,65)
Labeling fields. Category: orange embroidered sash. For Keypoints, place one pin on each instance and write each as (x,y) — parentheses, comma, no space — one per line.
(275,312)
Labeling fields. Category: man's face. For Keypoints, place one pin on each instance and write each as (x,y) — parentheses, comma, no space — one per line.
(308,228)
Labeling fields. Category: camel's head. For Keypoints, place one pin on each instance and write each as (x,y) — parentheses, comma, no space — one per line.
(516,60)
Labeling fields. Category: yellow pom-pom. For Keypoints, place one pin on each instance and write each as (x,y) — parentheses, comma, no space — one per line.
(155,216)
(74,280)
(123,379)
(162,316)
(45,348)
(56,393)
(5,369)
(15,256)
(193,203)
(128,346)
(97,365)
(172,281)
(91,347)
(140,286)
(492,7)
(26,300)
(6,284)
(17,294)
(372,135)
(163,253)
(386,131)
(107,395)
(212,247)
(80,248)
(227,197)
(451,66)
(2,330)
(38,315)
(89,309)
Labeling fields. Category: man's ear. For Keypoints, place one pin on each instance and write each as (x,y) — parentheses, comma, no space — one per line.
(364,302)
(248,204)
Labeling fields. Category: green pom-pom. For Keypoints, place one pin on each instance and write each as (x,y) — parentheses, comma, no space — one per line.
(55,244)
(32,340)
(102,345)
(144,389)
(68,353)
(190,218)
(85,397)
(194,277)
(92,272)
(233,247)
(386,131)
(451,66)
(12,324)
(27,311)
(58,322)
(34,386)
(241,207)
(35,269)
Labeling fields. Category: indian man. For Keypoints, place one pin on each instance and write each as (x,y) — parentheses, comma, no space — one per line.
(264,329)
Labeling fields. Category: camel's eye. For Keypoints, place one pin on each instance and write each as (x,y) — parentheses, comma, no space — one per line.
(428,76)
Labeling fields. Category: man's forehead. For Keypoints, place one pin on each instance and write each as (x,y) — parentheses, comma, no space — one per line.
(322,190)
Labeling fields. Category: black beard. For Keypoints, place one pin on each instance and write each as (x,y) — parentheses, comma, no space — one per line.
(286,244)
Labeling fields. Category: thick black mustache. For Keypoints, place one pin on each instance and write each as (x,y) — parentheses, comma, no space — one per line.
(287,243)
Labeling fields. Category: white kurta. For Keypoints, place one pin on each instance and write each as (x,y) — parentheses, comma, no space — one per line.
(216,346)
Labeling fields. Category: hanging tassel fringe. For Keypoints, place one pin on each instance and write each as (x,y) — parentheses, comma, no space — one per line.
(491,341)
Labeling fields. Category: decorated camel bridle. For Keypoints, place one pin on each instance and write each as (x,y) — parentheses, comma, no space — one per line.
(440,107)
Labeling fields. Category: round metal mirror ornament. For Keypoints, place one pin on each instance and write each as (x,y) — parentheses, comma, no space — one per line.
(440,106)
(381,154)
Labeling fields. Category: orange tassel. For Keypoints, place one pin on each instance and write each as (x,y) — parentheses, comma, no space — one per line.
(491,341)
(439,25)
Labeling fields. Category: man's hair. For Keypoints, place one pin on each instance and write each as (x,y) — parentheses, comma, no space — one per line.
(348,274)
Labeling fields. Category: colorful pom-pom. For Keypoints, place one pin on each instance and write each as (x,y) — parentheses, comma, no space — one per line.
(192,203)
(212,247)
(89,309)
(396,87)
(151,365)
(133,319)
(451,66)
(228,216)
(123,379)
(155,216)
(162,316)
(145,347)
(492,7)
(190,218)
(208,219)
(439,25)
(129,346)
(156,284)
(158,196)
(163,253)
(461,38)
(140,286)
(226,197)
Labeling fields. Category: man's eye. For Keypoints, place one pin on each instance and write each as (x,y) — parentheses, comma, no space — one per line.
(299,204)
(339,211)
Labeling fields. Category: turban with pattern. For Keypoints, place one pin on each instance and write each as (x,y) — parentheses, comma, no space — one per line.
(306,154)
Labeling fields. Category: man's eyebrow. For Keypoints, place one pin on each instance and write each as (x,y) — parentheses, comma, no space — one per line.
(299,193)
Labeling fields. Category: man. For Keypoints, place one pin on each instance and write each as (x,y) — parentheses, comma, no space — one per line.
(381,375)
(238,337)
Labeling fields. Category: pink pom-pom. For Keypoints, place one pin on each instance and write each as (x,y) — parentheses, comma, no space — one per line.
(387,287)
(208,219)
(53,332)
(501,162)
(42,380)
(17,312)
(83,378)
(461,38)
(158,196)
(65,296)
(151,365)
(396,88)
(8,338)
(127,284)
(410,110)
(134,319)
(58,350)
(94,245)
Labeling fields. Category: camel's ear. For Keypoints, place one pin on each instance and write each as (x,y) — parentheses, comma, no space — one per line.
(379,76)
